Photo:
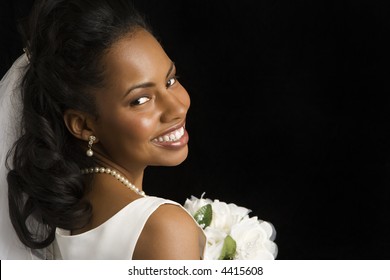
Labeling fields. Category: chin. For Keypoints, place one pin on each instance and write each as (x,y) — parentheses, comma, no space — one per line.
(177,162)
(174,160)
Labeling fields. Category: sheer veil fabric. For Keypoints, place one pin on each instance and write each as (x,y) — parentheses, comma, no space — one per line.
(10,116)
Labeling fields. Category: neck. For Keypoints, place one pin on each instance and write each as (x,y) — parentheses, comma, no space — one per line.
(133,175)
(115,174)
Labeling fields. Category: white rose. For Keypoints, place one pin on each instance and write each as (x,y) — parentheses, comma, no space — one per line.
(194,204)
(226,215)
(238,213)
(253,240)
(215,239)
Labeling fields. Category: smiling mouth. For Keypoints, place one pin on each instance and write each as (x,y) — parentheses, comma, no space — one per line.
(172,136)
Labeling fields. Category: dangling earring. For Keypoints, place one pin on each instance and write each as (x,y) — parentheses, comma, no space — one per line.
(90,143)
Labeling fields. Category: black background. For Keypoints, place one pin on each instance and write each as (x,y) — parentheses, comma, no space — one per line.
(289,115)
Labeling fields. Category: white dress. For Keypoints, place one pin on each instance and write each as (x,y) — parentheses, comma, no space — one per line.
(116,238)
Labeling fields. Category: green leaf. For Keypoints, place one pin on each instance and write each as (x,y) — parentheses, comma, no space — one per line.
(204,215)
(228,249)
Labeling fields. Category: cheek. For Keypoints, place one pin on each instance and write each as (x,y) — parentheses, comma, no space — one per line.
(131,128)
(188,101)
(142,127)
(185,98)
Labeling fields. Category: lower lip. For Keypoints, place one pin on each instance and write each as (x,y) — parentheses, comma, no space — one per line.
(174,145)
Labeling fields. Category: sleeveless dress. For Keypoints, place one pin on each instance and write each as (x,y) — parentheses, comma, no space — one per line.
(116,238)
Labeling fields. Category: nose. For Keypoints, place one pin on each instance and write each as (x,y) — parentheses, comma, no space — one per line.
(174,105)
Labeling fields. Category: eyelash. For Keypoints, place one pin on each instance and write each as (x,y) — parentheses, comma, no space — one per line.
(137,103)
(173,77)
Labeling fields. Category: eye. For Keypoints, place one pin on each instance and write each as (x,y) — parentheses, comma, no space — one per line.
(140,101)
(171,81)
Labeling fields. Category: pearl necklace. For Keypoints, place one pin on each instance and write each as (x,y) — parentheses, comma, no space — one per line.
(116,174)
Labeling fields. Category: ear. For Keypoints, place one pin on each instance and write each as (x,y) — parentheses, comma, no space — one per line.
(79,124)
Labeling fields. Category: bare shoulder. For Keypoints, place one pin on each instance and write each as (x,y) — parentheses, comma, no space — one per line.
(169,233)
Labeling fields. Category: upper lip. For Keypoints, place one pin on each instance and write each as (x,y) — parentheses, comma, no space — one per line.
(172,128)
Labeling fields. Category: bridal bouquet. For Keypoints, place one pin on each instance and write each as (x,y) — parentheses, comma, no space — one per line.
(231,233)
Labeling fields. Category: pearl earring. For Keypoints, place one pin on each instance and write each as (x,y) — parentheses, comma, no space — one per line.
(90,143)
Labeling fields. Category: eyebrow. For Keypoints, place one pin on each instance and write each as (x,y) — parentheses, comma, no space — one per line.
(150,84)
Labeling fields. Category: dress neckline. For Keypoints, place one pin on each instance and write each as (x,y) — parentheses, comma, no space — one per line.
(67,233)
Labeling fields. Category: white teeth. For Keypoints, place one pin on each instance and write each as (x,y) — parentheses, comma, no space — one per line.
(171,137)
(177,135)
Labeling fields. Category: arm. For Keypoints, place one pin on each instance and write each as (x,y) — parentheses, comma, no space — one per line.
(170,233)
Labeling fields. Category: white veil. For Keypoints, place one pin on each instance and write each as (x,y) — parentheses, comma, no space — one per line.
(10,115)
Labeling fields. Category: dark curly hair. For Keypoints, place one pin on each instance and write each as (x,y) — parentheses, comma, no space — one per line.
(66,40)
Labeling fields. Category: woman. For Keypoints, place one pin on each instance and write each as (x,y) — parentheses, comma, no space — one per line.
(100,103)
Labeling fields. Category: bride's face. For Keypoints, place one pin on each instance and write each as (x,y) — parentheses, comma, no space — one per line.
(142,110)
